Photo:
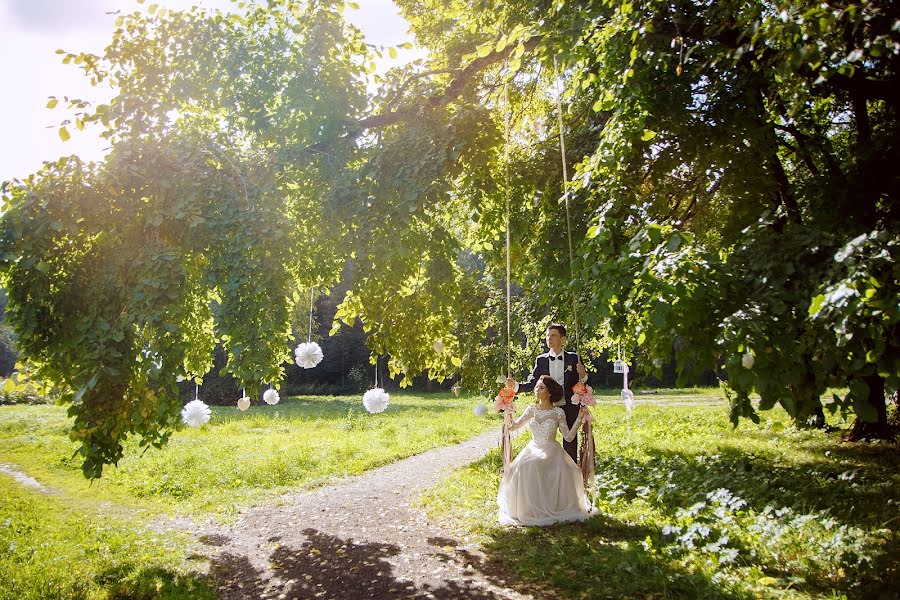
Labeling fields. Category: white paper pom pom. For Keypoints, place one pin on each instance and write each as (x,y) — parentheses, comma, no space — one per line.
(501,379)
(308,355)
(243,404)
(271,397)
(195,413)
(481,409)
(748,360)
(439,346)
(375,400)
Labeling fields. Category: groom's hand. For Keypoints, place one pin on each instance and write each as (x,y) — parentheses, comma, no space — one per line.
(511,383)
(582,373)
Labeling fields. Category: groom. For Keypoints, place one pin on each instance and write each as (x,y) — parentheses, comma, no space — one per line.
(566,369)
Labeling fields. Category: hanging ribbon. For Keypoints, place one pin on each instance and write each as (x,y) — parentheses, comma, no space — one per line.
(586,453)
(506,443)
(309,335)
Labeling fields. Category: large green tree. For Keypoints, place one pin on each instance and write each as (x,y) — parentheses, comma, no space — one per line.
(734,193)
(731,192)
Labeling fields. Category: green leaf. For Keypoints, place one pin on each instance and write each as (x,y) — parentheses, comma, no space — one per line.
(42,266)
(674,242)
(642,337)
(52,103)
(64,134)
(457,362)
(353,5)
(816,305)
(648,135)
(392,52)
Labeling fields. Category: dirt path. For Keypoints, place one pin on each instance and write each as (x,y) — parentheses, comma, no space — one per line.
(359,538)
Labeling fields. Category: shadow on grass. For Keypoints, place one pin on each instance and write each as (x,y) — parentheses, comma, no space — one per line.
(600,558)
(154,582)
(853,488)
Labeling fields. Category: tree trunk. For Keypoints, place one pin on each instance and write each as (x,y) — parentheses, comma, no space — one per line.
(877,430)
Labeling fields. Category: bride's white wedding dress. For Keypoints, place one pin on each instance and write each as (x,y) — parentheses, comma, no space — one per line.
(543,485)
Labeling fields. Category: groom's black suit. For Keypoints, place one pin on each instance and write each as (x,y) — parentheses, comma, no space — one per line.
(570,376)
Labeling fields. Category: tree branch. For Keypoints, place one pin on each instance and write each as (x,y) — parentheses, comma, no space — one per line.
(453,91)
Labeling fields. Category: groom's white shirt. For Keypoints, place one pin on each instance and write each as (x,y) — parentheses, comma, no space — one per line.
(557,367)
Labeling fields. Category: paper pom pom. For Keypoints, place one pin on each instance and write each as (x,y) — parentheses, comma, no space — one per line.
(748,360)
(456,389)
(375,400)
(271,397)
(308,355)
(195,413)
(439,346)
(501,379)
(481,409)
(243,404)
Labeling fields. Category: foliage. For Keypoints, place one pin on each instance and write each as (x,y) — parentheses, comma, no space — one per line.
(726,156)
(53,549)
(722,157)
(690,508)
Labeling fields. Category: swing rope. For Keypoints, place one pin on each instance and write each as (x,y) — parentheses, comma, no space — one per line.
(565,170)
(506,194)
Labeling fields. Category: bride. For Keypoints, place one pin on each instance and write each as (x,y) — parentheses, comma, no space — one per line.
(543,485)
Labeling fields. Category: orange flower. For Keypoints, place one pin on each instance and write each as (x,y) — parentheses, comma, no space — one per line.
(579,388)
(507,394)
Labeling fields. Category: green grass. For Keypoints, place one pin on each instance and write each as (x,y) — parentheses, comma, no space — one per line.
(238,459)
(691,508)
(53,549)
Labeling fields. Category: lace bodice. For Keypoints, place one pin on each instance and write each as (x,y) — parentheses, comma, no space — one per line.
(544,424)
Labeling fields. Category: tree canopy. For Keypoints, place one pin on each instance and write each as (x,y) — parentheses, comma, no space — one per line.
(732,191)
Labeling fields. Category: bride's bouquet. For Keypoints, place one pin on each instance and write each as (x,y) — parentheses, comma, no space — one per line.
(505,400)
(583,396)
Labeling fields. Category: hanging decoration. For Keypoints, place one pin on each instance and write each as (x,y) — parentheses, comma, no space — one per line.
(620,366)
(376,399)
(456,389)
(196,412)
(270,396)
(308,354)
(243,402)
(481,409)
(439,346)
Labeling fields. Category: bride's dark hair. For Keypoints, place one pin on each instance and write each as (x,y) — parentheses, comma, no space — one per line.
(556,391)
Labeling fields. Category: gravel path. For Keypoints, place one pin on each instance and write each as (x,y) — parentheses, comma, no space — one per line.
(359,538)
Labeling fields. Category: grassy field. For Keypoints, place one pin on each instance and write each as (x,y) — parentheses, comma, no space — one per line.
(90,540)
(691,508)
(238,459)
(55,548)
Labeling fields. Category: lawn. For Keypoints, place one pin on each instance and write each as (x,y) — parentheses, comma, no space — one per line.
(238,459)
(692,508)
(55,548)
